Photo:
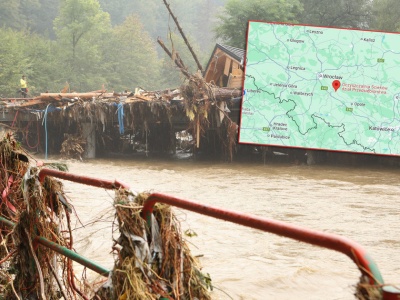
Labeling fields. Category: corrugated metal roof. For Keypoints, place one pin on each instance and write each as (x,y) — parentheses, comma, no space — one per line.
(236,53)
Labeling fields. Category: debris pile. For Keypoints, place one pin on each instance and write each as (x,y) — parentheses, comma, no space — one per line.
(367,291)
(206,107)
(73,147)
(152,263)
(31,212)
(150,117)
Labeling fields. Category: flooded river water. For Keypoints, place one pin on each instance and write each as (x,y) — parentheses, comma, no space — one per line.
(360,203)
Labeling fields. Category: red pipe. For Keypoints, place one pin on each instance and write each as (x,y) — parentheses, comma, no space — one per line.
(5,193)
(331,241)
(107,184)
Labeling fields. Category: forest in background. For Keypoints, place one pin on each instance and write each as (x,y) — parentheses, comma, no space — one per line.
(113,43)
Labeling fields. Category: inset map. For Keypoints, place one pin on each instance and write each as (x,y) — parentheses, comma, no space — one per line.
(321,88)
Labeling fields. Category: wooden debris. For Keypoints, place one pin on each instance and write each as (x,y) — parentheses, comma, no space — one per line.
(183,36)
(73,147)
(32,102)
(83,96)
(66,88)
(178,61)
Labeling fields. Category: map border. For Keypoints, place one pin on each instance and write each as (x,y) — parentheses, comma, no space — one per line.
(301,147)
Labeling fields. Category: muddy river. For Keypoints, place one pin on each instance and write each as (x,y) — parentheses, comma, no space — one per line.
(362,204)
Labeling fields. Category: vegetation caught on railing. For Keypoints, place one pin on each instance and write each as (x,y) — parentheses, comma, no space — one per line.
(29,270)
(36,219)
(156,265)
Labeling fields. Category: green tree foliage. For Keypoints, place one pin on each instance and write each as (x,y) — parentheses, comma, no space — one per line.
(33,15)
(26,12)
(192,16)
(41,15)
(30,54)
(79,20)
(338,13)
(10,14)
(206,19)
(386,15)
(147,11)
(233,20)
(171,76)
(80,46)
(80,27)
(130,57)
(156,21)
(13,61)
(44,62)
(196,17)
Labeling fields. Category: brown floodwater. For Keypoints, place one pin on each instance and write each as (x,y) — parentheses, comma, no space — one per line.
(359,203)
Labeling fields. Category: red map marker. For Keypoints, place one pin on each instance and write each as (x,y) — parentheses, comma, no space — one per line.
(336,84)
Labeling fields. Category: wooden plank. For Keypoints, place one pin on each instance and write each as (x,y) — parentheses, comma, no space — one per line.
(84,96)
(143,97)
(227,66)
(229,80)
(235,65)
(32,102)
(237,72)
(226,93)
(132,100)
(221,111)
(234,81)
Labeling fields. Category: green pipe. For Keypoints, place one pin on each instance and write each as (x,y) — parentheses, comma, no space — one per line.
(72,255)
(6,222)
(64,251)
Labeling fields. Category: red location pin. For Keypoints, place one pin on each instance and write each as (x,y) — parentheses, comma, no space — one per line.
(336,84)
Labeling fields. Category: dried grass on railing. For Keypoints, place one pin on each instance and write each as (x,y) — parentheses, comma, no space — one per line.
(27,269)
(152,266)
(367,291)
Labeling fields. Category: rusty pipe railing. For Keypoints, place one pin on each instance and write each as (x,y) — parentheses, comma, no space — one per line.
(327,240)
(360,257)
(96,182)
(106,184)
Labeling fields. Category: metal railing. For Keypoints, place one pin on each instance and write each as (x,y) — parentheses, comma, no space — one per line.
(330,241)
(106,184)
(360,257)
(64,251)
(61,249)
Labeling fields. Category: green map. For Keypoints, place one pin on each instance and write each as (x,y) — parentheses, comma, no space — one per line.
(321,88)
